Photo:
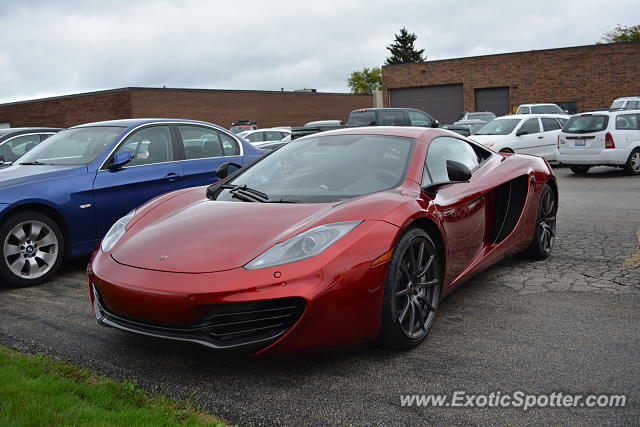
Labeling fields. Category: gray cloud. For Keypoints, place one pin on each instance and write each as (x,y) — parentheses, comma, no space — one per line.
(52,48)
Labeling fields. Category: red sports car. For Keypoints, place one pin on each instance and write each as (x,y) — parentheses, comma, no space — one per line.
(335,239)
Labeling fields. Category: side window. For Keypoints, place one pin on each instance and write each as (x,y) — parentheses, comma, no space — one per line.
(530,126)
(273,136)
(562,121)
(230,146)
(200,142)
(627,122)
(549,124)
(445,148)
(255,137)
(44,136)
(149,145)
(631,105)
(418,119)
(523,110)
(392,118)
(17,147)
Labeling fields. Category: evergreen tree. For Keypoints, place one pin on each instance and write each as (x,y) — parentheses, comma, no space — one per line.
(403,50)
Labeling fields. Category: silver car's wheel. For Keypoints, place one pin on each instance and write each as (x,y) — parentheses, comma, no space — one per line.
(31,249)
(633,163)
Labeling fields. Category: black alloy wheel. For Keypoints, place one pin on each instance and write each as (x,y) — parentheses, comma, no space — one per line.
(412,291)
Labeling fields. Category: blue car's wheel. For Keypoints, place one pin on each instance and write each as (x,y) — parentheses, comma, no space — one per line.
(31,249)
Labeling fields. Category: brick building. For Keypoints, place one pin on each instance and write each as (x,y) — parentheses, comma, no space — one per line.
(577,78)
(222,107)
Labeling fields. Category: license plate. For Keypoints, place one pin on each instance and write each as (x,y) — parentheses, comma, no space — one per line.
(580,143)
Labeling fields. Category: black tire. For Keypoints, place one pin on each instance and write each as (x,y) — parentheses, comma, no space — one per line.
(40,254)
(580,169)
(409,296)
(545,230)
(632,167)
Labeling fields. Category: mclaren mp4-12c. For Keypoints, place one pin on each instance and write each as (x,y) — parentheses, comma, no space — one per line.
(335,239)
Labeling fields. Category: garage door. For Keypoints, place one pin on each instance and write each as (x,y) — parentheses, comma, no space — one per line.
(494,99)
(445,103)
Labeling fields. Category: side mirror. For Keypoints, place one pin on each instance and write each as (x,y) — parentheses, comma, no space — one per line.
(226,169)
(121,158)
(435,124)
(457,173)
(2,160)
(521,132)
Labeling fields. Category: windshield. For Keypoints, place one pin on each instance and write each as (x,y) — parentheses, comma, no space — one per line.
(77,146)
(546,109)
(487,117)
(499,127)
(586,124)
(329,168)
(617,104)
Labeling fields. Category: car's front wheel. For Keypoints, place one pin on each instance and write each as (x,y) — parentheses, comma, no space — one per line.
(545,231)
(412,291)
(31,249)
(633,163)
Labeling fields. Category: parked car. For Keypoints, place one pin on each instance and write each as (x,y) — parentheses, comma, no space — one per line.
(321,244)
(60,198)
(460,130)
(485,116)
(474,125)
(608,138)
(264,135)
(541,109)
(526,134)
(242,125)
(375,117)
(272,145)
(626,103)
(15,142)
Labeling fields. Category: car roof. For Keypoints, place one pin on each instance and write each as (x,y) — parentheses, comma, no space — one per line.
(27,129)
(137,122)
(524,116)
(615,111)
(532,105)
(404,131)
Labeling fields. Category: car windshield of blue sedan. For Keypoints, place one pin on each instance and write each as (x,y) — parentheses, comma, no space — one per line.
(326,168)
(76,146)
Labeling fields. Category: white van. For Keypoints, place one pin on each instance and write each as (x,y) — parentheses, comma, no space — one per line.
(626,103)
(609,138)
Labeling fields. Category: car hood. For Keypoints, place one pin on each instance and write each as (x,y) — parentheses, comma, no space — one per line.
(28,174)
(191,234)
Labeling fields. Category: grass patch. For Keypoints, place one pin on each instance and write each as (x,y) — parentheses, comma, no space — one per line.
(37,390)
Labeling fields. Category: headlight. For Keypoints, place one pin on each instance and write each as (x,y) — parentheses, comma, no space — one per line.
(115,232)
(305,245)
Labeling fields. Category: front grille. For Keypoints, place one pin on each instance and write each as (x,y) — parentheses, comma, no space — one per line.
(230,323)
(243,326)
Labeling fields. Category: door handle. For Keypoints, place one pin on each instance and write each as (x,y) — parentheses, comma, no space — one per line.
(172,177)
(540,137)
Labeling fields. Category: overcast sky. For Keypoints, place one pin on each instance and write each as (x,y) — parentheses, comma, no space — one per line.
(60,47)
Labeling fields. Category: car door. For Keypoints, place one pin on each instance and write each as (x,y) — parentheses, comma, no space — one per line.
(550,130)
(532,140)
(205,149)
(154,170)
(462,206)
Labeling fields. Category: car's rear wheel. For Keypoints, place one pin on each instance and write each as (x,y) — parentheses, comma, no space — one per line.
(545,231)
(412,291)
(580,169)
(31,249)
(633,162)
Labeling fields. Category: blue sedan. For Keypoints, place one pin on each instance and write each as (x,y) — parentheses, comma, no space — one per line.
(62,197)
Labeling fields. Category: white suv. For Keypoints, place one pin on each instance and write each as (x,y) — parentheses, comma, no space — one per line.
(609,138)
(535,134)
(626,103)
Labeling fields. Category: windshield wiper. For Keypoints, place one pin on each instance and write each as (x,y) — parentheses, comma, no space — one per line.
(245,193)
(35,162)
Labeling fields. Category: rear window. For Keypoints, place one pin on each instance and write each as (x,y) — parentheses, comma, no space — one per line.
(586,124)
(627,122)
(362,118)
(617,104)
(546,109)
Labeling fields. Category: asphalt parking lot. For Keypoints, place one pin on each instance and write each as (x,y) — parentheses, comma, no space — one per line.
(568,324)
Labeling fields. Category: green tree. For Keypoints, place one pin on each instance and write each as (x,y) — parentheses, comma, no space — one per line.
(403,50)
(622,34)
(365,81)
